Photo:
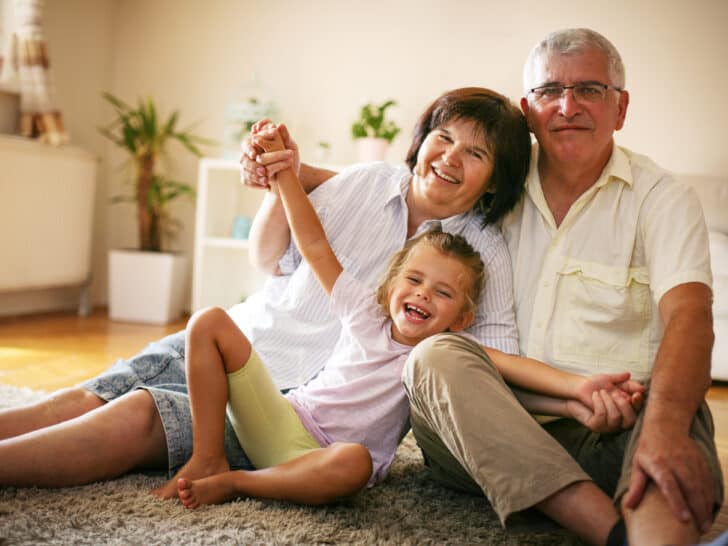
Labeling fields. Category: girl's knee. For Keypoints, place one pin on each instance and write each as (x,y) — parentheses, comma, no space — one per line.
(206,317)
(208,322)
(352,465)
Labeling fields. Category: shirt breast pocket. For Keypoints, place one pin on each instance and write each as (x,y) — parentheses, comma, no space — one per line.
(602,317)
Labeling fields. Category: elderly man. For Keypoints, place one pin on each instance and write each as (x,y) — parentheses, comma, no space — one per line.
(611,272)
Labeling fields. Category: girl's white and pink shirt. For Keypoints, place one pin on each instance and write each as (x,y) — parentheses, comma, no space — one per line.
(358,395)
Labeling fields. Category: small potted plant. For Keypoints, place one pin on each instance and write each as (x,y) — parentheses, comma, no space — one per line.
(373,132)
(147,285)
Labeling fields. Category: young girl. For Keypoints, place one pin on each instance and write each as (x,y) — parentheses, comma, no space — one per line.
(340,431)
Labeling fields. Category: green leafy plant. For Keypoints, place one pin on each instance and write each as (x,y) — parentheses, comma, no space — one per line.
(372,122)
(144,135)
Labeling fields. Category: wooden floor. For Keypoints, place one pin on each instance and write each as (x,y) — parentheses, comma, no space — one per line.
(56,350)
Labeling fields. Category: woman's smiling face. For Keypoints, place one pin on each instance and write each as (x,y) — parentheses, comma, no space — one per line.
(454,166)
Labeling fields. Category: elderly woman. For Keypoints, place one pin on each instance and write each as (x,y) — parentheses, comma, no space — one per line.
(467,165)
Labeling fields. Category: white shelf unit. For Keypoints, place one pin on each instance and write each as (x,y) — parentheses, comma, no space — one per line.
(222,275)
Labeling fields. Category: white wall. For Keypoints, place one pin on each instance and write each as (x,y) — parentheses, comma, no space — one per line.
(321,60)
(79,34)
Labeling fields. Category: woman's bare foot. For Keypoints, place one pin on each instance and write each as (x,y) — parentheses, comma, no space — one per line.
(196,468)
(213,490)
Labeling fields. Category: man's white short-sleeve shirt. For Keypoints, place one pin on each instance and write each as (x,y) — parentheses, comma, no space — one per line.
(587,291)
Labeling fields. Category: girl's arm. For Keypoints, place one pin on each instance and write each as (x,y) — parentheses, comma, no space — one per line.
(269,235)
(257,166)
(534,375)
(609,412)
(308,233)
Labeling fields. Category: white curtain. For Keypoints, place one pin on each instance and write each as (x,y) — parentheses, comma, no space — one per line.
(25,66)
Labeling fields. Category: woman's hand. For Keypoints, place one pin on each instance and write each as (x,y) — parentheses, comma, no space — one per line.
(258,167)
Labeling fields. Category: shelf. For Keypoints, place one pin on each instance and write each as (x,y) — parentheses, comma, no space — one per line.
(226,242)
(222,274)
(208,163)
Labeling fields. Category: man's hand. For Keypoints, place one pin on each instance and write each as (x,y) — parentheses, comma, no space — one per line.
(675,464)
(257,167)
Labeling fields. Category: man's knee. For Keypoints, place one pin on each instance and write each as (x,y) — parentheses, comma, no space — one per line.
(441,358)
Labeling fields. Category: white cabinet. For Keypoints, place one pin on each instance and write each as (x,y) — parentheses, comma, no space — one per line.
(222,274)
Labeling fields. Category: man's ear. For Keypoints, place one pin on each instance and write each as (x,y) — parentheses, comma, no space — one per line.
(524,106)
(465,319)
(623,104)
(526,109)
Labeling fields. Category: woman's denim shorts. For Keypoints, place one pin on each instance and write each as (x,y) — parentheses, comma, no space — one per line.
(160,370)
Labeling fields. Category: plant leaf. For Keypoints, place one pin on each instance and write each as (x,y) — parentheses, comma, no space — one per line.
(143,134)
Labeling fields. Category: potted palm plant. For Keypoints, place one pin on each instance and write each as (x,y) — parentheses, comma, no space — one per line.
(373,132)
(147,285)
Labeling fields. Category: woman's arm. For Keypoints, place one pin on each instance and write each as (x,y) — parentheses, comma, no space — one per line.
(270,235)
(308,233)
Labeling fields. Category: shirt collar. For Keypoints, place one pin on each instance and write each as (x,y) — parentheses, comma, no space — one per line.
(616,169)
(452,224)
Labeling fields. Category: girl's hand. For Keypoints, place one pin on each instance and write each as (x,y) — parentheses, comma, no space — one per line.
(608,382)
(605,415)
(268,138)
(258,166)
(608,411)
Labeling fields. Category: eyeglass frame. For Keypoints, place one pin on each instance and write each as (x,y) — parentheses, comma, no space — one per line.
(564,88)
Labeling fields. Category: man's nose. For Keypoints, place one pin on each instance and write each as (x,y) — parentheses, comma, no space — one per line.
(568,105)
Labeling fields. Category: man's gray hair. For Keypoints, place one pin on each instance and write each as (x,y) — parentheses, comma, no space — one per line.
(568,42)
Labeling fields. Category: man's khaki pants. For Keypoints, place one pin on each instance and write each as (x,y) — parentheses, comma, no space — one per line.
(475,435)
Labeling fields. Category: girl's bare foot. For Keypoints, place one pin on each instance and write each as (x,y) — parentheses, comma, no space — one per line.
(213,490)
(196,468)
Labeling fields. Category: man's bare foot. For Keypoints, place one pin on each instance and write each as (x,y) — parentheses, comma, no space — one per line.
(213,490)
(195,469)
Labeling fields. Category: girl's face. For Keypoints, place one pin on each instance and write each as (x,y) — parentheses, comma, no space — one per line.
(454,166)
(429,296)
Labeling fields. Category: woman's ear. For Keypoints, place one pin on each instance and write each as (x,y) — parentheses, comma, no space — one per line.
(465,319)
(418,170)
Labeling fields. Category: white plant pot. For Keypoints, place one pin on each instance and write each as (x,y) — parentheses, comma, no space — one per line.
(146,286)
(371,149)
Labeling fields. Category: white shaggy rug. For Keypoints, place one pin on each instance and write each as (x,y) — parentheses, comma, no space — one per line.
(407,509)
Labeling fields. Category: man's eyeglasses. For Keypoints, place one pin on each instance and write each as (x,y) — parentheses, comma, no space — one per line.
(585,92)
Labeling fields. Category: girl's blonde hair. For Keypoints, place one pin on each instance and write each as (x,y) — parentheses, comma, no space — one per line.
(447,244)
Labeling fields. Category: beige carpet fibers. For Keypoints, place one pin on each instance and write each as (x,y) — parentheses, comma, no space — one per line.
(408,508)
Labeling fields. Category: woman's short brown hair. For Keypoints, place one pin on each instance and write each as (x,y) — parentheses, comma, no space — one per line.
(447,244)
(507,137)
